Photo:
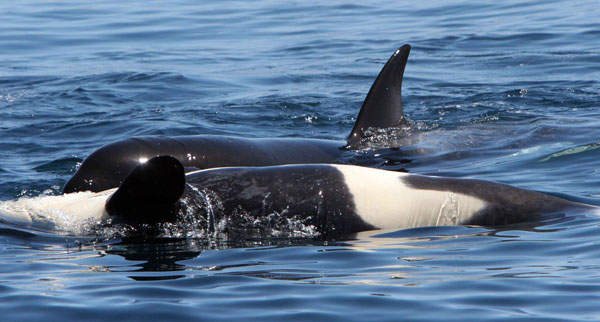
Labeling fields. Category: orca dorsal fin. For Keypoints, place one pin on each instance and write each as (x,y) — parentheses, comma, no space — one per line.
(150,192)
(382,107)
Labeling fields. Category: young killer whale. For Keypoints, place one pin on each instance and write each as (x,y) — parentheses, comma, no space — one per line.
(382,108)
(330,200)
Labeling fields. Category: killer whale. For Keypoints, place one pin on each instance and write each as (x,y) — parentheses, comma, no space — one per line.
(382,108)
(334,199)
(327,200)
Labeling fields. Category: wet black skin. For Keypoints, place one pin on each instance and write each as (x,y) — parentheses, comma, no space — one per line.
(244,200)
(108,166)
(256,201)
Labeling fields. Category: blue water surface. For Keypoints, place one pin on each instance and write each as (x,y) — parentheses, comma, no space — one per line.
(505,91)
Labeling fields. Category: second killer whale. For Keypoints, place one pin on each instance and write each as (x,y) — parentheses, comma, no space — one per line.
(326,200)
(106,167)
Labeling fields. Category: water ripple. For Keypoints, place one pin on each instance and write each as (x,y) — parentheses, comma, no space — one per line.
(499,91)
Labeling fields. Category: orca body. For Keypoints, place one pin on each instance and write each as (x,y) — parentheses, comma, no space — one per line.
(108,166)
(332,200)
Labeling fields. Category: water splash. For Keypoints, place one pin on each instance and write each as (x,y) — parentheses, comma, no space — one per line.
(203,215)
(377,138)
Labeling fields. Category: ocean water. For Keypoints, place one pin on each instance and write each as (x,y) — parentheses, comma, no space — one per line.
(506,91)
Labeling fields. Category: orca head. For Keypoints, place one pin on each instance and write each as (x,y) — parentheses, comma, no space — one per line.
(150,193)
(382,107)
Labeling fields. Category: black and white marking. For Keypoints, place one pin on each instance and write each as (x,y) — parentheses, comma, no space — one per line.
(334,199)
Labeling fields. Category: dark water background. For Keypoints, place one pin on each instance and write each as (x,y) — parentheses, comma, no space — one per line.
(506,91)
